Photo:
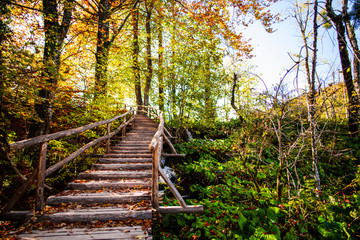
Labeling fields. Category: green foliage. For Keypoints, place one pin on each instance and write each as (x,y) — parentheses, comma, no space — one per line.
(238,191)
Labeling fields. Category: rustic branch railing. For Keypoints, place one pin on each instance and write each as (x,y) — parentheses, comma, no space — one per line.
(41,173)
(156,147)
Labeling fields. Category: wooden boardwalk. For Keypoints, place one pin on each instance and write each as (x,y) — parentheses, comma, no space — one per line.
(117,188)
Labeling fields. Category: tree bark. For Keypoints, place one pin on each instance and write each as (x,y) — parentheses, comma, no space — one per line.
(102,48)
(350,31)
(136,69)
(149,8)
(161,64)
(353,106)
(54,39)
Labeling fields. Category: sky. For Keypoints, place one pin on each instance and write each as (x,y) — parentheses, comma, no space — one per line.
(272,50)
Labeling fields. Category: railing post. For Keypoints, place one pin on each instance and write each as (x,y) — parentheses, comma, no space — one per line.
(108,140)
(124,129)
(41,177)
(156,155)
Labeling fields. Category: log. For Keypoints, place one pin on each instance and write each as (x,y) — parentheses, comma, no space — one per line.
(157,135)
(106,214)
(45,138)
(173,150)
(172,188)
(168,133)
(178,209)
(173,155)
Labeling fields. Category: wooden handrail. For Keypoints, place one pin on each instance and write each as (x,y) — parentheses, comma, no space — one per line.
(45,138)
(156,147)
(41,173)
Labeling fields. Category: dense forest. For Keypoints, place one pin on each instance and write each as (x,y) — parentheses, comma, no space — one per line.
(281,162)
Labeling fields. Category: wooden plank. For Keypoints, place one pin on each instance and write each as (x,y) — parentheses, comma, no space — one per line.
(133,232)
(100,197)
(41,177)
(115,184)
(45,138)
(172,188)
(101,174)
(119,166)
(178,209)
(101,214)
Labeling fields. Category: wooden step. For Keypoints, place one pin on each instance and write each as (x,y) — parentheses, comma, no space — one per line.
(135,143)
(129,155)
(108,174)
(113,184)
(103,197)
(118,166)
(125,160)
(143,147)
(130,151)
(133,232)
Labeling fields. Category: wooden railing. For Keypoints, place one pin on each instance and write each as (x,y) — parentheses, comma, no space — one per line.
(156,147)
(41,173)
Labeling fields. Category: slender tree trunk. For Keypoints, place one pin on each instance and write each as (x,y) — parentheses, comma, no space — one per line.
(312,101)
(161,64)
(353,105)
(136,69)
(149,7)
(210,112)
(172,71)
(350,31)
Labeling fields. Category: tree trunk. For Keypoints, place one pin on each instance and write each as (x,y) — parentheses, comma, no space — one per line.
(136,69)
(102,48)
(149,7)
(350,31)
(161,65)
(54,38)
(311,97)
(353,106)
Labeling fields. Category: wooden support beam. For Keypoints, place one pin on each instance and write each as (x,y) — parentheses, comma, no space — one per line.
(155,174)
(108,140)
(172,188)
(178,209)
(172,155)
(41,178)
(173,150)
(168,133)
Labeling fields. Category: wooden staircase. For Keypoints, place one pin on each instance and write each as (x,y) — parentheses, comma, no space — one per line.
(117,188)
